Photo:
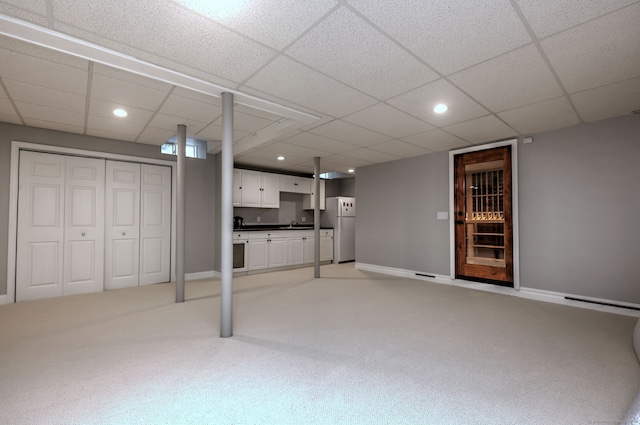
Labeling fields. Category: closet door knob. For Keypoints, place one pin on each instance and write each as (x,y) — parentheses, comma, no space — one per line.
(83,233)
(123,233)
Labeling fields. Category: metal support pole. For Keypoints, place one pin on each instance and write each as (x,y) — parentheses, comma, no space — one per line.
(226,219)
(316,217)
(180,210)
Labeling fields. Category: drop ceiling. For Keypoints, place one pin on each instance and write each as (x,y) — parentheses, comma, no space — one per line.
(353,82)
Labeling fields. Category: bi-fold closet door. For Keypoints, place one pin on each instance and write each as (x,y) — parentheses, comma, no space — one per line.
(138,224)
(87,224)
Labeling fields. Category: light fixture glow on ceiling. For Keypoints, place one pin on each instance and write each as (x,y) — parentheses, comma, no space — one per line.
(351,170)
(280,158)
(440,108)
(120,113)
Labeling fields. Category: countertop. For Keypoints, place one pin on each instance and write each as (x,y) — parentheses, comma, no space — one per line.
(263,227)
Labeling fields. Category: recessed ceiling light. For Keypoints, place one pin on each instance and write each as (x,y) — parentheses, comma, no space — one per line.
(440,108)
(120,112)
(280,158)
(351,170)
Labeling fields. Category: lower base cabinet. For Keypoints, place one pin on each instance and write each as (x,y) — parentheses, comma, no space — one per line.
(287,248)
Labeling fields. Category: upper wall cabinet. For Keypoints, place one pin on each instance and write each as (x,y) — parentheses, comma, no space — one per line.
(294,184)
(255,189)
(309,201)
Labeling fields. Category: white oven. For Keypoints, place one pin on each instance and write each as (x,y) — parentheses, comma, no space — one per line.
(240,251)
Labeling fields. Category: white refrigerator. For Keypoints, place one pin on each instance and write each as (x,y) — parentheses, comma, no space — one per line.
(340,213)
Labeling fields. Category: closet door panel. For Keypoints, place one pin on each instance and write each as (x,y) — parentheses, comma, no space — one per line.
(39,259)
(84,226)
(155,226)
(122,225)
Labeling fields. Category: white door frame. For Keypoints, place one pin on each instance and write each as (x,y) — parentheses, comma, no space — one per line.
(17,146)
(514,206)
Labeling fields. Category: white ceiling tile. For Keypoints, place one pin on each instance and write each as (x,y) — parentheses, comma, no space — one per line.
(155,136)
(41,72)
(104,109)
(214,132)
(484,129)
(498,83)
(350,50)
(41,53)
(45,96)
(54,125)
(583,61)
(345,161)
(170,123)
(114,126)
(315,141)
(449,35)
(166,29)
(437,140)
(9,117)
(54,115)
(34,14)
(300,84)
(608,101)
(296,150)
(289,159)
(5,106)
(256,112)
(541,116)
(37,6)
(400,148)
(126,93)
(388,121)
(548,17)
(255,162)
(244,122)
(108,134)
(138,80)
(367,154)
(186,108)
(350,133)
(421,101)
(262,20)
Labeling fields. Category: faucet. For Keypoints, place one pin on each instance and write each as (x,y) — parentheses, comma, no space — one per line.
(293,223)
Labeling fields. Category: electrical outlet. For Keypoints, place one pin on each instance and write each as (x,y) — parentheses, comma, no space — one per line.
(258,219)
(443,215)
(303,220)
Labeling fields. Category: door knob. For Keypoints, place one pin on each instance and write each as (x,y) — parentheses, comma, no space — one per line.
(123,233)
(83,233)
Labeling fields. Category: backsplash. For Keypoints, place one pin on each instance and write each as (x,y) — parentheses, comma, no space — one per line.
(290,209)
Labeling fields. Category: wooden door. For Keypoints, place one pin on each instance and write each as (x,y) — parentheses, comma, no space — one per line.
(84,226)
(155,224)
(483,217)
(40,244)
(122,226)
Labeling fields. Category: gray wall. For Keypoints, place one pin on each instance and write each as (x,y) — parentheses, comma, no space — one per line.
(199,234)
(579,201)
(396,223)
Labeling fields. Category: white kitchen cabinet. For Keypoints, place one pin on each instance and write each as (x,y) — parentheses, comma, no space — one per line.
(326,245)
(296,250)
(309,249)
(255,189)
(294,184)
(258,254)
(277,252)
(237,187)
(309,201)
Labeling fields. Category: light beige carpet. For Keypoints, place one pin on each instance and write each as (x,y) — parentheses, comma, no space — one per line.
(349,348)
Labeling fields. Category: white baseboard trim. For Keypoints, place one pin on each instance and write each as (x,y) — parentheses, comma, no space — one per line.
(528,293)
(4,299)
(211,274)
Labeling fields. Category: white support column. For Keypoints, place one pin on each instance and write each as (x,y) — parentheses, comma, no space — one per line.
(226,219)
(316,217)
(180,211)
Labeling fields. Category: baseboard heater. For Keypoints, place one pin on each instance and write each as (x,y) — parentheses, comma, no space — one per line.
(426,275)
(602,303)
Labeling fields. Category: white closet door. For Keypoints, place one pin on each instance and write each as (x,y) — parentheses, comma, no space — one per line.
(39,262)
(84,226)
(122,224)
(155,225)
